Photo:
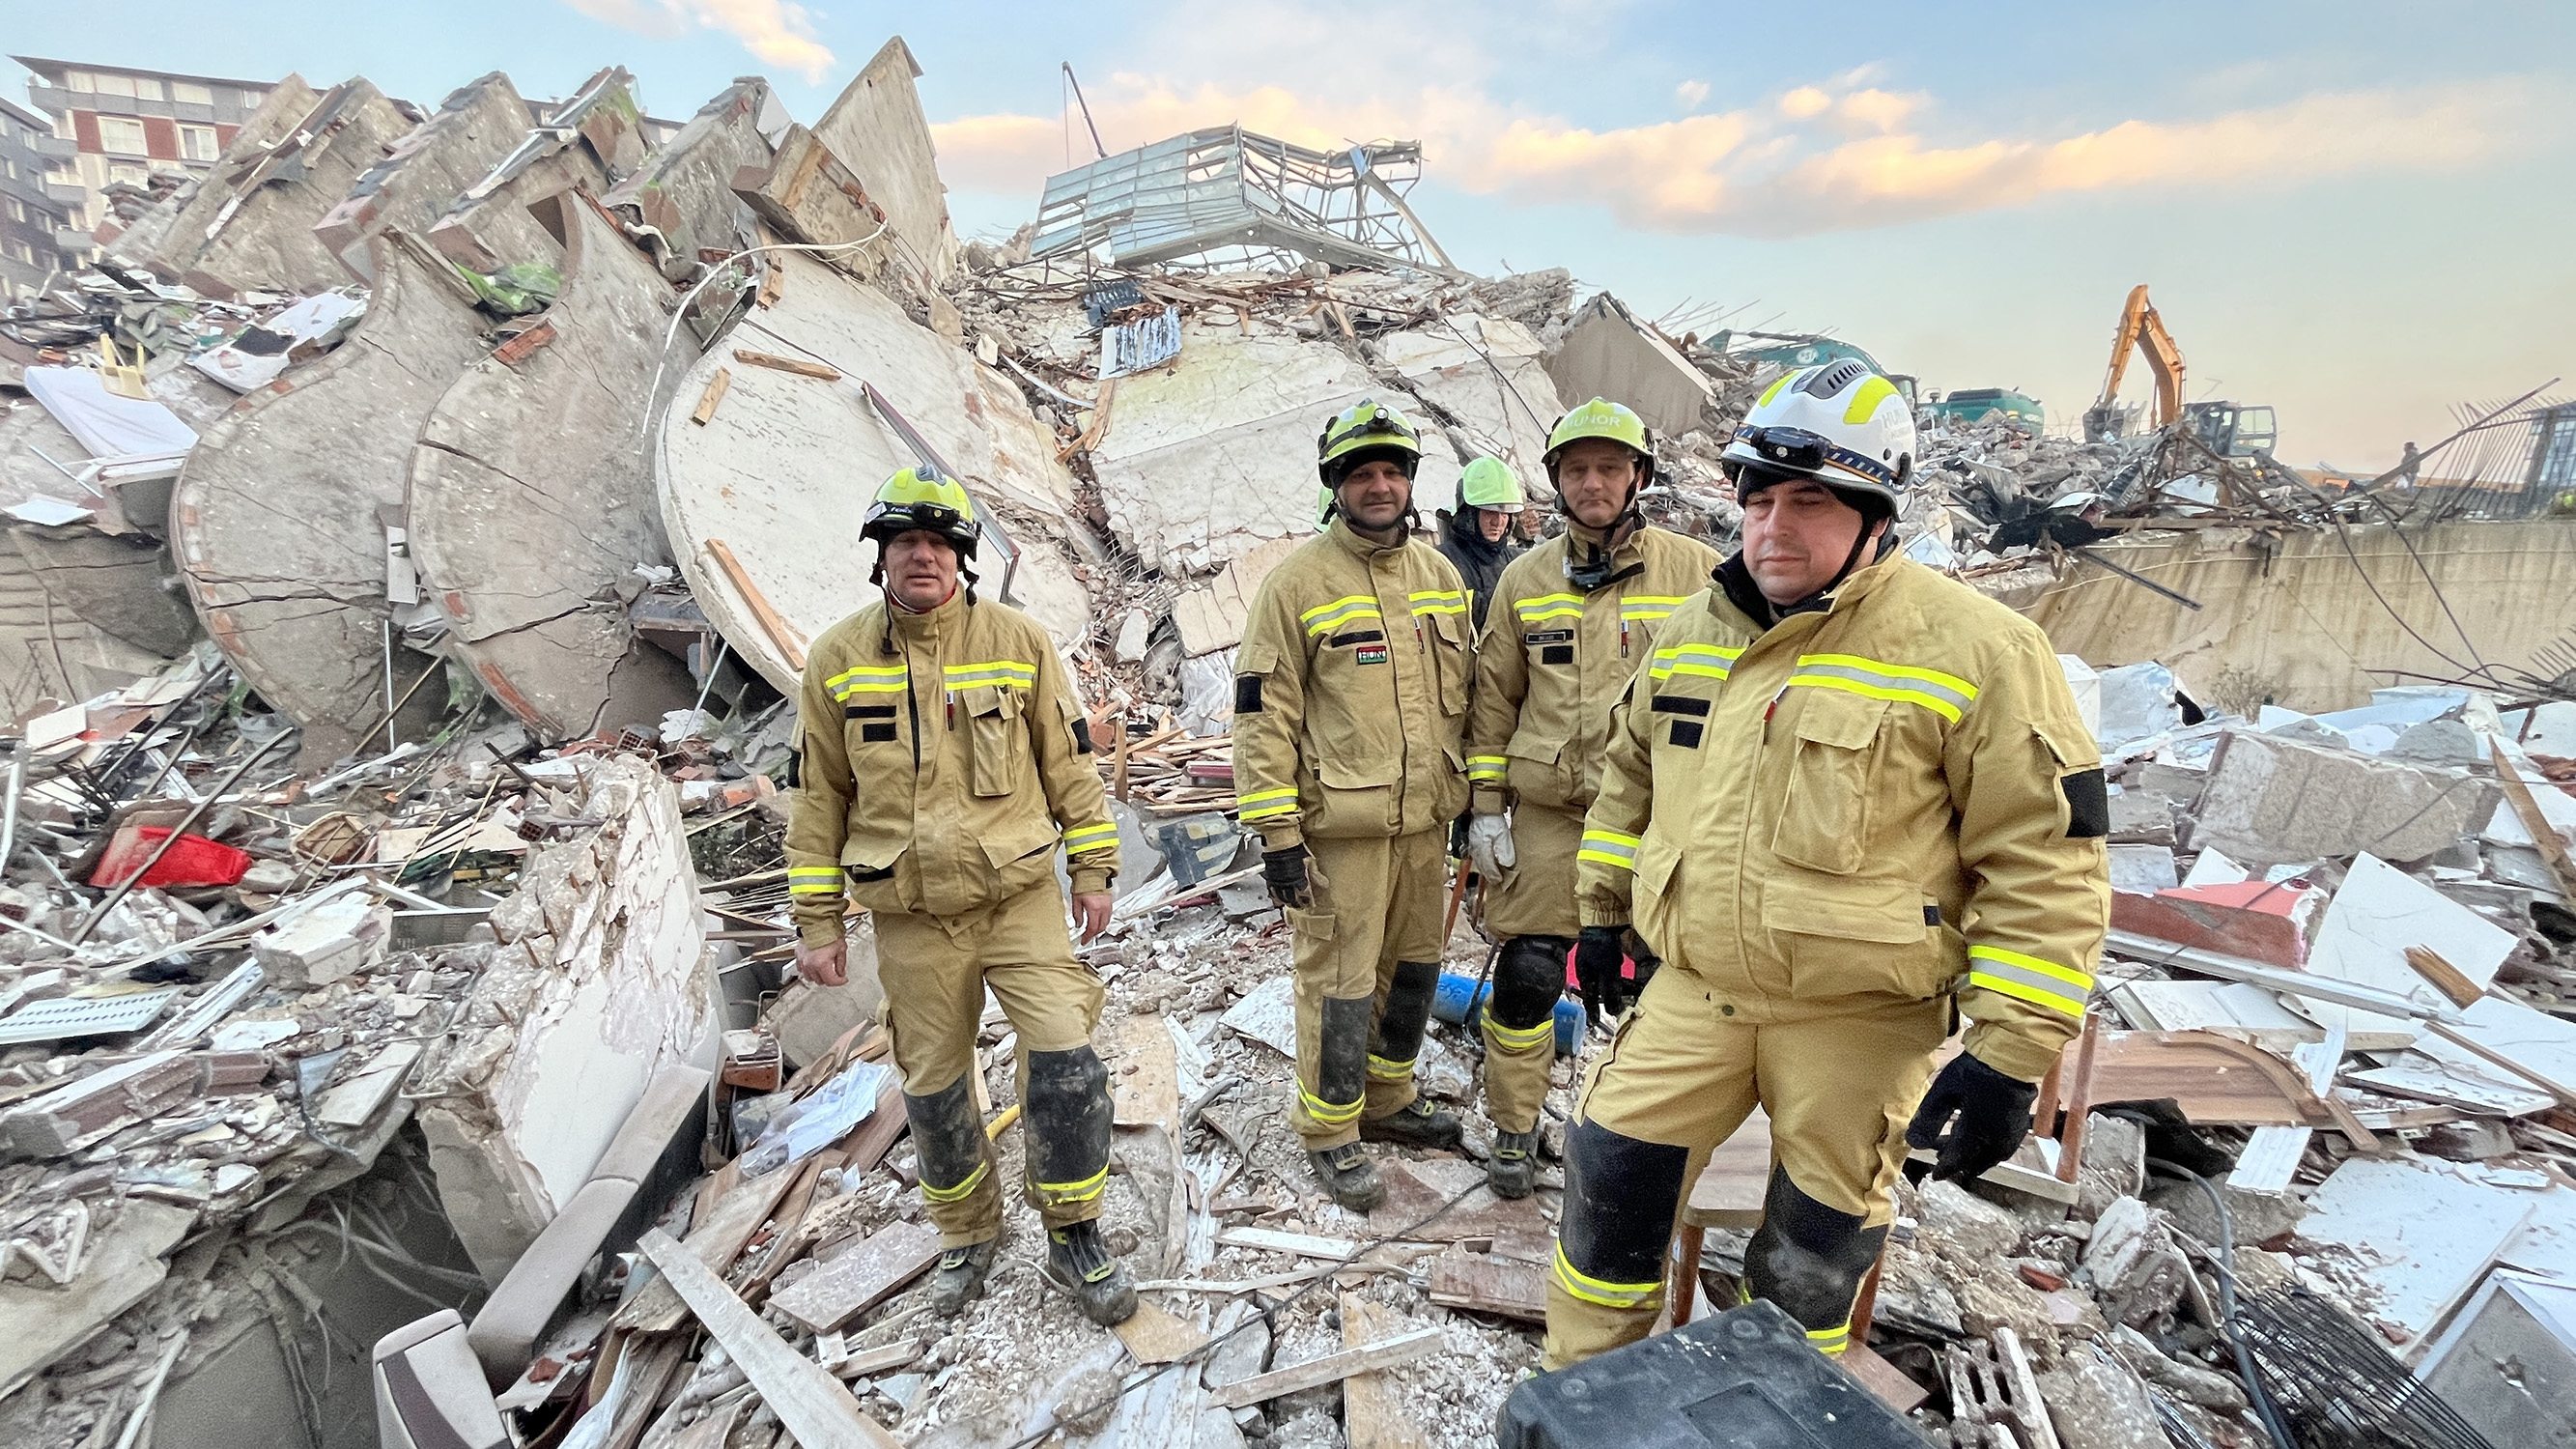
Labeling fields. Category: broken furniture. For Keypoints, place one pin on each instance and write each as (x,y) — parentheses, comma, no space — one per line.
(429,1390)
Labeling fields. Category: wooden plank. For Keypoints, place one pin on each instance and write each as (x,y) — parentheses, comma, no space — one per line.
(1880,1377)
(1373,1411)
(1424,1203)
(1272,1240)
(1732,1188)
(2270,1159)
(780,633)
(1144,1087)
(789,1241)
(814,1406)
(717,1238)
(796,365)
(1482,1283)
(2553,851)
(1314,1373)
(716,386)
(861,1278)
(2445,977)
(1155,1334)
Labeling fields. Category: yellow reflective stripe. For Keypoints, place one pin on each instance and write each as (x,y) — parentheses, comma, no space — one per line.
(1609,847)
(2045,967)
(1095,835)
(1783,380)
(1343,610)
(1330,1114)
(1387,1070)
(2021,990)
(814,872)
(1648,607)
(1949,682)
(1932,702)
(1541,607)
(1459,607)
(868,679)
(952,1194)
(814,888)
(1010,673)
(1830,1340)
(1262,804)
(2034,979)
(1705,661)
(1535,600)
(1487,767)
(1061,1193)
(1594,1290)
(1437,596)
(1518,1038)
(1288,792)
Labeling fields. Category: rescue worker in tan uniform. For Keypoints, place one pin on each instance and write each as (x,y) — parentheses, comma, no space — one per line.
(1847,799)
(1350,695)
(1574,619)
(943,760)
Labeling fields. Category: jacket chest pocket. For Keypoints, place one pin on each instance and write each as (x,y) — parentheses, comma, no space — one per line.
(997,739)
(1453,654)
(1824,820)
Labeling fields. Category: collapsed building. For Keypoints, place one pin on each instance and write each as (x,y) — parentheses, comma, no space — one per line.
(397,632)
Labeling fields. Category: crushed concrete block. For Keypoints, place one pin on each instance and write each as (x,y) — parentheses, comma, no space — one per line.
(599,980)
(681,199)
(1963,1228)
(2258,920)
(262,235)
(319,946)
(2257,1217)
(421,175)
(2439,742)
(2192,1383)
(2114,1165)
(2141,817)
(2136,1271)
(2095,1402)
(2143,870)
(1135,631)
(2137,701)
(2271,801)
(878,128)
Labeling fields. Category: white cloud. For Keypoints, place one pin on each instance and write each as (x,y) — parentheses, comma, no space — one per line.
(1806,102)
(1691,93)
(778,32)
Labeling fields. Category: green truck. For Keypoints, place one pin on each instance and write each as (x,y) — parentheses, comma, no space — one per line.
(1980,404)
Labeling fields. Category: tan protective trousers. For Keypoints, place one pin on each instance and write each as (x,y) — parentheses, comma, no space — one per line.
(1686,1068)
(1534,898)
(1378,901)
(935,971)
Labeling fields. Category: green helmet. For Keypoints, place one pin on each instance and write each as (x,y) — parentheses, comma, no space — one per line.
(1323,508)
(1362,432)
(1601,418)
(1488,483)
(922,498)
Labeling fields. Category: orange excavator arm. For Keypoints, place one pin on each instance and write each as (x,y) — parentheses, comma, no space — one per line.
(2141,327)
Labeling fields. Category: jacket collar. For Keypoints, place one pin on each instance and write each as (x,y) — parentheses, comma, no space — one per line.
(1735,584)
(925,628)
(1342,533)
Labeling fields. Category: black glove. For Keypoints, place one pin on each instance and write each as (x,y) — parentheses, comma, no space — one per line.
(1648,963)
(1597,958)
(1993,1112)
(1284,871)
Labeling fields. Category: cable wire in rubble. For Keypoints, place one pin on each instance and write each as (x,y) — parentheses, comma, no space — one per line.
(680,309)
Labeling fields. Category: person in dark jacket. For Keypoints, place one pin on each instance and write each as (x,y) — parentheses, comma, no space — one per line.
(1477,535)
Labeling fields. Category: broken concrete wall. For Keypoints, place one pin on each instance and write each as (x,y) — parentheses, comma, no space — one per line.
(778,465)
(261,236)
(681,200)
(1608,353)
(530,501)
(586,142)
(423,173)
(125,587)
(276,523)
(49,652)
(185,228)
(1480,379)
(879,131)
(601,979)
(2289,620)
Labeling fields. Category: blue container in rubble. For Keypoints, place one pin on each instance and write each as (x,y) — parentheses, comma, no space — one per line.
(1458,1002)
(1743,1379)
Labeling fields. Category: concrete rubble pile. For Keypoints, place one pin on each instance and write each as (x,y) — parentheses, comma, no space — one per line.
(432,551)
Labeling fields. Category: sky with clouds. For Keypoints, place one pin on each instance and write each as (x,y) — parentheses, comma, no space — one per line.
(2358,212)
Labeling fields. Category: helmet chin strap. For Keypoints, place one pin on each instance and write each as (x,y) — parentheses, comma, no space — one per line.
(1599,571)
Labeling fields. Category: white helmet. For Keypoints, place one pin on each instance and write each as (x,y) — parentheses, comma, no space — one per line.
(1838,423)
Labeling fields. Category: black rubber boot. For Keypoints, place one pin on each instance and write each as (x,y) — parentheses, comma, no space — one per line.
(959,1278)
(1513,1169)
(1078,1264)
(1349,1176)
(1416,1124)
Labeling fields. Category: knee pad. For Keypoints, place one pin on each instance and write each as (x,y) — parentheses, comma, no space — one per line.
(1408,1010)
(1620,1198)
(1068,1125)
(947,1141)
(1528,980)
(1341,1060)
(1809,1259)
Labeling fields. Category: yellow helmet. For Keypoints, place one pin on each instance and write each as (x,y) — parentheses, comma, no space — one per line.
(1488,483)
(923,498)
(1360,433)
(1601,418)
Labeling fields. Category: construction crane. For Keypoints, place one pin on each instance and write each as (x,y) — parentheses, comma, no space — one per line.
(2227,429)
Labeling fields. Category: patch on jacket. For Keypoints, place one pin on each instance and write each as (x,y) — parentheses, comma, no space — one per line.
(1556,654)
(1686,733)
(1082,735)
(1690,705)
(867,711)
(1369,654)
(1549,636)
(1247,694)
(2088,805)
(1356,636)
(876,734)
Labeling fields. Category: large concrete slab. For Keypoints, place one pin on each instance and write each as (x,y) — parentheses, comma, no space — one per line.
(680,201)
(153,248)
(783,466)
(423,173)
(1607,352)
(275,521)
(877,128)
(586,141)
(1485,374)
(2271,801)
(530,499)
(261,236)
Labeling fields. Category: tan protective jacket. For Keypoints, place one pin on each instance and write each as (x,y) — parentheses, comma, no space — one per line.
(943,759)
(1867,802)
(1553,660)
(1350,692)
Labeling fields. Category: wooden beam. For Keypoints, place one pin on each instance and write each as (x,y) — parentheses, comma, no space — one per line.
(811,1404)
(1373,1410)
(714,394)
(779,631)
(796,365)
(2553,852)
(1332,1368)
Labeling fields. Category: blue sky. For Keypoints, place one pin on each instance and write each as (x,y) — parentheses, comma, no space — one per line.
(2358,212)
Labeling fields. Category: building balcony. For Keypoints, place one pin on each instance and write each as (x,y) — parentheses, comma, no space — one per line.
(52,100)
(74,241)
(67,193)
(54,148)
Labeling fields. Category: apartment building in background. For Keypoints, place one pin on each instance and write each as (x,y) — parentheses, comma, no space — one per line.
(35,211)
(124,124)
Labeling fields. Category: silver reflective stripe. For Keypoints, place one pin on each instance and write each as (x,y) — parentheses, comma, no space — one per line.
(1893,683)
